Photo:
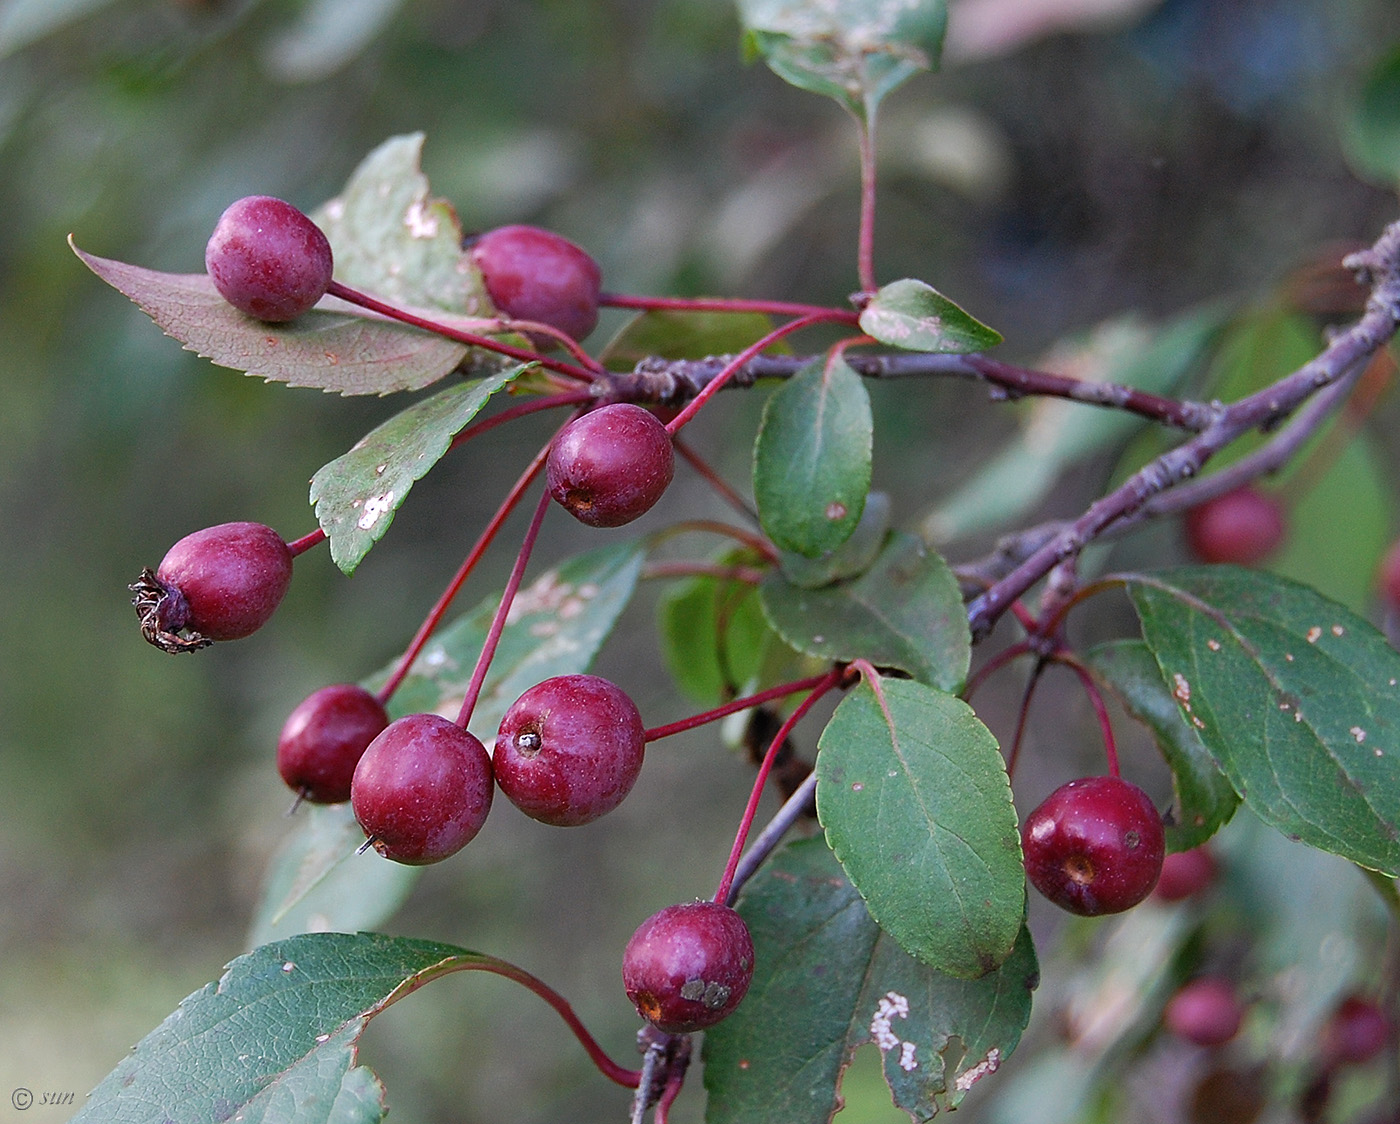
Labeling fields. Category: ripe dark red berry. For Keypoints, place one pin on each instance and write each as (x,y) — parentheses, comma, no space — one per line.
(534,274)
(323,739)
(1357,1031)
(1094,846)
(422,789)
(1388,577)
(688,966)
(1184,874)
(569,749)
(1244,526)
(1205,1011)
(221,583)
(611,465)
(268,259)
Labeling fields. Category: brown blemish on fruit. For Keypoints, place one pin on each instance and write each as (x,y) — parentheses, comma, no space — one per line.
(1080,869)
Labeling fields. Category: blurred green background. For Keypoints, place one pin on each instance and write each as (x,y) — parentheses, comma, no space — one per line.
(1184,151)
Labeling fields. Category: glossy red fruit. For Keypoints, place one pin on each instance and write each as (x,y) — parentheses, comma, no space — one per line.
(221,583)
(534,274)
(267,259)
(1094,846)
(1388,577)
(1185,874)
(323,739)
(422,789)
(1244,526)
(1357,1032)
(688,966)
(569,749)
(1205,1011)
(611,465)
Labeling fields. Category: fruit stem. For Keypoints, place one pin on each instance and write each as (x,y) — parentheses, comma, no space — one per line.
(1076,665)
(713,478)
(734,365)
(735,706)
(792,810)
(825,684)
(993,665)
(306,542)
(710,304)
(1018,738)
(520,410)
(525,355)
(439,610)
(865,252)
(498,622)
(756,543)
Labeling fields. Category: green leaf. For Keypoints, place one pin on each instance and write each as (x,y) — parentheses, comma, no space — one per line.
(855,51)
(913,794)
(274,1038)
(811,463)
(555,627)
(332,347)
(714,635)
(916,317)
(681,334)
(1372,133)
(1204,799)
(357,494)
(1294,696)
(1056,434)
(905,611)
(391,236)
(317,883)
(817,953)
(849,560)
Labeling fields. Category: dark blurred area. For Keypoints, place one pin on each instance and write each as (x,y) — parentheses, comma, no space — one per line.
(1187,151)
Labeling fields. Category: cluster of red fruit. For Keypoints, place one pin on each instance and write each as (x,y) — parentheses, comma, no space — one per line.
(570,748)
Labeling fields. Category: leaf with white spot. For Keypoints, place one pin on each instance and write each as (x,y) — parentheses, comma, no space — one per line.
(817,952)
(357,494)
(1297,698)
(917,317)
(913,794)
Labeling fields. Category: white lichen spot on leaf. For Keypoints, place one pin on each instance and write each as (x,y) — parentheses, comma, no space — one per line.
(969,1077)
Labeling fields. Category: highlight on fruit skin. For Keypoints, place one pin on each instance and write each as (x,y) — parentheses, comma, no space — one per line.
(268,259)
(1094,846)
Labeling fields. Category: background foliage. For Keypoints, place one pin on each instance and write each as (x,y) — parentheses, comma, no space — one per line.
(1193,151)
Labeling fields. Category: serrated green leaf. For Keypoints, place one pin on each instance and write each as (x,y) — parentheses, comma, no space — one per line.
(1056,434)
(391,236)
(317,882)
(1204,799)
(855,51)
(816,951)
(811,461)
(913,793)
(849,560)
(332,347)
(357,494)
(905,611)
(556,625)
(917,317)
(274,1036)
(714,636)
(1294,696)
(1372,132)
(682,334)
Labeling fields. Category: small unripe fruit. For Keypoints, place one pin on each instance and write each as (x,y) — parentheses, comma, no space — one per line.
(221,583)
(534,274)
(1244,526)
(422,789)
(569,749)
(1185,874)
(1357,1032)
(267,259)
(611,465)
(688,966)
(1094,846)
(1205,1011)
(323,739)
